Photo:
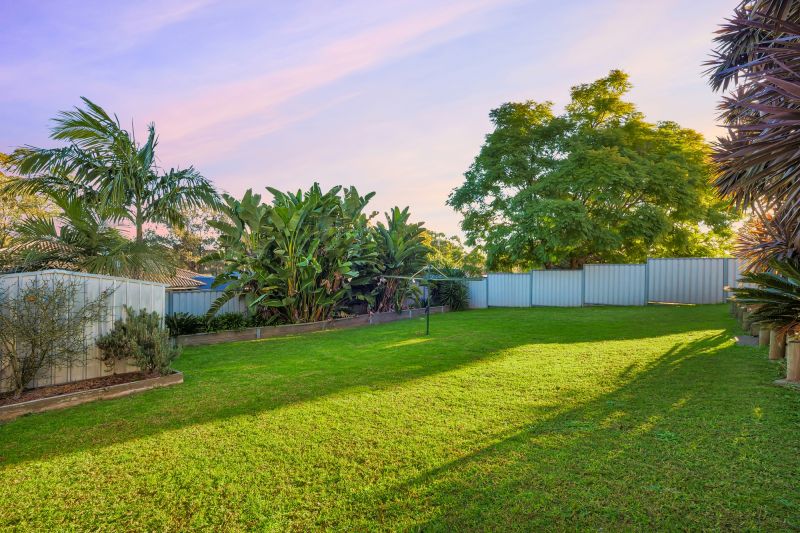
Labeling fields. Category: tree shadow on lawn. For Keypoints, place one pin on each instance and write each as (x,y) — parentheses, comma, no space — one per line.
(718,451)
(247,378)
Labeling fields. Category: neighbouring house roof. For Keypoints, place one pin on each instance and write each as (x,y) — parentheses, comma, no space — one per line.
(182,280)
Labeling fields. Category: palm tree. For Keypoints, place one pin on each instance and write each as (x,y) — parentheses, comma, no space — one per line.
(81,237)
(401,251)
(758,161)
(105,163)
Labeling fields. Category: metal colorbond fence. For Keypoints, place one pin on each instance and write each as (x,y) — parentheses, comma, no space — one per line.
(477,293)
(556,288)
(133,293)
(198,302)
(690,280)
(615,284)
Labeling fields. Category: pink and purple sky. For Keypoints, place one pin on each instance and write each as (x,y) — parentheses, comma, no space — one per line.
(392,97)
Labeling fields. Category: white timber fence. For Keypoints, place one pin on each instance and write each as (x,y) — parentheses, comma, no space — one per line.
(672,280)
(135,294)
(199,302)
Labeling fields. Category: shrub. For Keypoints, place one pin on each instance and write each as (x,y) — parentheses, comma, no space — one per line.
(451,293)
(184,324)
(43,326)
(226,321)
(139,336)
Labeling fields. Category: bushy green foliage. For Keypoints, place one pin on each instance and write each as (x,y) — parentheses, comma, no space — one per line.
(188,324)
(596,183)
(306,255)
(227,321)
(43,326)
(184,324)
(138,336)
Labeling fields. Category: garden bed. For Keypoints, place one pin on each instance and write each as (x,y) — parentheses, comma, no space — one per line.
(265,332)
(77,392)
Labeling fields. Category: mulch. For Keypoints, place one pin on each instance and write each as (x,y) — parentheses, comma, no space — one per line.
(75,386)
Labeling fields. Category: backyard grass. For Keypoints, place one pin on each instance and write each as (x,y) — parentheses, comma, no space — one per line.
(613,418)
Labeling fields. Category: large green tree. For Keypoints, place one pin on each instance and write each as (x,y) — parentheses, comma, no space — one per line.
(104,163)
(596,183)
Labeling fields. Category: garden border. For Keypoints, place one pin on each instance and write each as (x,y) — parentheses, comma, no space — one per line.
(39,405)
(266,332)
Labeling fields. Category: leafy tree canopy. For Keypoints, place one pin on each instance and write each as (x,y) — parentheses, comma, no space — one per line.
(449,253)
(597,183)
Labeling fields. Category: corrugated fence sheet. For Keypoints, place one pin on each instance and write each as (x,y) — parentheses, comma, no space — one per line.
(615,285)
(509,290)
(689,280)
(133,293)
(476,290)
(198,302)
(556,288)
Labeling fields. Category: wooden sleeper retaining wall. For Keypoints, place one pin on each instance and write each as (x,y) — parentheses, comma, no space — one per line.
(14,410)
(266,332)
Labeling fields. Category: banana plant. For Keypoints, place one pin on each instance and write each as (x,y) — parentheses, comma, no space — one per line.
(402,251)
(295,260)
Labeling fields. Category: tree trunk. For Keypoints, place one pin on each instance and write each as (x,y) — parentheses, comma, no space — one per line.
(793,361)
(764,335)
(777,345)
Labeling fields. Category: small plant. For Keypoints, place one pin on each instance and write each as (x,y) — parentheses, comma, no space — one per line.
(451,293)
(139,336)
(43,327)
(226,321)
(184,324)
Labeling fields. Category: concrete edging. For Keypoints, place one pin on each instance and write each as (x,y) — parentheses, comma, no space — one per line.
(249,334)
(10,412)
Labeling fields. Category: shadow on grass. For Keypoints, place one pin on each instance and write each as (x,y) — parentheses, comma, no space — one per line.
(649,455)
(229,380)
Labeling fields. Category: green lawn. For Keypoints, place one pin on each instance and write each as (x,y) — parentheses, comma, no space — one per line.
(613,418)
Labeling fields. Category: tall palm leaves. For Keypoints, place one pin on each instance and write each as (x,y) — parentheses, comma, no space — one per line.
(401,251)
(297,259)
(759,51)
(80,238)
(104,162)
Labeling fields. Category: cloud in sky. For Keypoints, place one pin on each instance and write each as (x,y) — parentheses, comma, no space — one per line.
(389,96)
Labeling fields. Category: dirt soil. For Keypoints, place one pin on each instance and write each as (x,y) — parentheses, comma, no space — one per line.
(75,386)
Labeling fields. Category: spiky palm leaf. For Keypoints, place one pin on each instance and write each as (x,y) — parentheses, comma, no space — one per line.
(775,295)
(759,49)
(82,238)
(104,160)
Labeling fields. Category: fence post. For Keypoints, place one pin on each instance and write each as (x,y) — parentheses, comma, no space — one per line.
(646,281)
(487,289)
(724,278)
(530,289)
(583,285)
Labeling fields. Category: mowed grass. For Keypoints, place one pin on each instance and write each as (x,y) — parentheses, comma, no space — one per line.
(503,419)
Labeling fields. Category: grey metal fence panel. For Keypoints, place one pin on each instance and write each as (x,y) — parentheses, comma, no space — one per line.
(615,284)
(476,289)
(556,288)
(133,293)
(687,280)
(509,290)
(199,302)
